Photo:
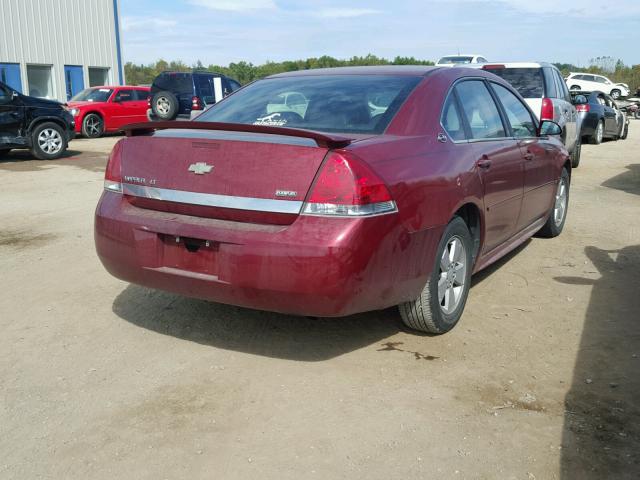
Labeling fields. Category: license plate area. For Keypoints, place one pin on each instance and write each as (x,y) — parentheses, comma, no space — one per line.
(191,254)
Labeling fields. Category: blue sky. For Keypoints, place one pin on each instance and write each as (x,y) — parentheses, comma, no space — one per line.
(223,31)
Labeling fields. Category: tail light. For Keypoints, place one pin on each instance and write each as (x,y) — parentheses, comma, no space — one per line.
(346,186)
(583,108)
(113,172)
(493,67)
(149,101)
(547,109)
(196,104)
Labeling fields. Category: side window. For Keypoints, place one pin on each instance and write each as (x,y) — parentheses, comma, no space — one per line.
(563,90)
(482,60)
(451,121)
(550,83)
(5,96)
(589,78)
(124,96)
(480,110)
(234,85)
(519,117)
(140,95)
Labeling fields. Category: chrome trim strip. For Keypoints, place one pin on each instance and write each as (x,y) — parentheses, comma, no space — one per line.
(213,200)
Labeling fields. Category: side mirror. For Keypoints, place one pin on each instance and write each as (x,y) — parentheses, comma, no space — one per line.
(547,127)
(14,94)
(580,100)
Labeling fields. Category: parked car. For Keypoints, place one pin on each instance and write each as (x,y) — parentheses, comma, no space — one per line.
(343,209)
(598,117)
(43,126)
(590,82)
(186,95)
(98,110)
(457,60)
(544,90)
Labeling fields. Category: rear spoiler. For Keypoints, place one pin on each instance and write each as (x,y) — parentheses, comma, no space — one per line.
(322,139)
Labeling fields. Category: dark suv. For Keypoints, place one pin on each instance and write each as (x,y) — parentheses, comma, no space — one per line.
(180,94)
(43,126)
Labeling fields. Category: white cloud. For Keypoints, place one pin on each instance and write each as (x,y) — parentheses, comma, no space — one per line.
(156,24)
(346,12)
(235,5)
(573,8)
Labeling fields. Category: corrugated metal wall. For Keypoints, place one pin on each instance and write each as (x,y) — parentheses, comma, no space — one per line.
(59,33)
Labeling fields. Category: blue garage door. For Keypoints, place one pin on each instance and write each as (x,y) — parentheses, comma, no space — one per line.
(74,80)
(10,75)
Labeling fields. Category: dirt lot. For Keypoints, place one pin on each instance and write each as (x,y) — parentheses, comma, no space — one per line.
(101,379)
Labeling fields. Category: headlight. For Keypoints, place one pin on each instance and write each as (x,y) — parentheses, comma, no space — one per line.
(74,111)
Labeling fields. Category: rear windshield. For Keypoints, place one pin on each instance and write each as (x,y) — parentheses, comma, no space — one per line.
(327,103)
(92,95)
(452,60)
(528,81)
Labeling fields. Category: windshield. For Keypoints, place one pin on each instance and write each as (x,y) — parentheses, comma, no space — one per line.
(92,95)
(451,60)
(528,81)
(326,103)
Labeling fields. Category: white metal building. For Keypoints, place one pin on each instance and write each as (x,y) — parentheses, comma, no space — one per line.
(56,48)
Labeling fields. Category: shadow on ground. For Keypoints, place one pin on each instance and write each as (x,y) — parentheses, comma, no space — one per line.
(267,333)
(24,161)
(628,181)
(601,436)
(253,331)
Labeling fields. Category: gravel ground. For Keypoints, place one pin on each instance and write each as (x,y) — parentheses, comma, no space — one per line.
(102,379)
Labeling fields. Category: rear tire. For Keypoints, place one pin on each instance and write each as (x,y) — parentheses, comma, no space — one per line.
(441,302)
(615,93)
(558,213)
(575,154)
(598,134)
(92,126)
(575,87)
(164,105)
(48,141)
(625,132)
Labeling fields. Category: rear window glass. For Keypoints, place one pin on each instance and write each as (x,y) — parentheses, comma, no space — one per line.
(528,81)
(175,82)
(453,60)
(329,103)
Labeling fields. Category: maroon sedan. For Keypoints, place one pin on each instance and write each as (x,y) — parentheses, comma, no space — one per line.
(331,192)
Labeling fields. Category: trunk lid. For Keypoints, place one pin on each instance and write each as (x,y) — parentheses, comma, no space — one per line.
(242,176)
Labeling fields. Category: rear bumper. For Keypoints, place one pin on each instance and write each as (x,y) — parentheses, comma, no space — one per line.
(316,266)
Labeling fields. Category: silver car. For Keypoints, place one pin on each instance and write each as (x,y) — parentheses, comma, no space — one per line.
(544,89)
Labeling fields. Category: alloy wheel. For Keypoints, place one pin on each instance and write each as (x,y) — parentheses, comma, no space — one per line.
(162,105)
(599,132)
(453,275)
(50,141)
(94,126)
(560,207)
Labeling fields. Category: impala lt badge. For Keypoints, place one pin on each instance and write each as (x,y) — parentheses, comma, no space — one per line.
(200,168)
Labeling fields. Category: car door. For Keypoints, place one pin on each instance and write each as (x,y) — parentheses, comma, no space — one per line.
(499,161)
(610,123)
(124,108)
(566,111)
(11,117)
(539,174)
(140,105)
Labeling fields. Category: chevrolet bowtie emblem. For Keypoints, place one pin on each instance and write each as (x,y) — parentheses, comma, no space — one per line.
(200,168)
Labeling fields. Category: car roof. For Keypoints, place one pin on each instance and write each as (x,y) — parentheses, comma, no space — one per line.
(521,64)
(112,87)
(462,55)
(409,70)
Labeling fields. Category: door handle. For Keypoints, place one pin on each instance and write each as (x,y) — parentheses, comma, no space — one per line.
(484,162)
(528,156)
